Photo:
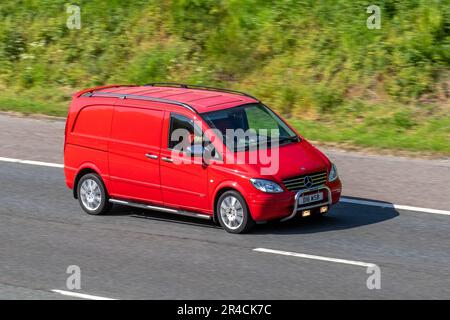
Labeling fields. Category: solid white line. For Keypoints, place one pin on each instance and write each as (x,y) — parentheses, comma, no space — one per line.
(34,163)
(313,257)
(80,295)
(394,206)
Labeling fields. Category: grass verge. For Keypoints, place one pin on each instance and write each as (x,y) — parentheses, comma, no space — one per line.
(380,128)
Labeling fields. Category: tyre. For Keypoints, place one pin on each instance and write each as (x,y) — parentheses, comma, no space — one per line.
(233,214)
(92,195)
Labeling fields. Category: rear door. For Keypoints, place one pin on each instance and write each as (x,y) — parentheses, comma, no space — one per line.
(134,152)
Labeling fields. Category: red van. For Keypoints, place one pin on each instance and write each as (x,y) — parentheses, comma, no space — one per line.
(195,151)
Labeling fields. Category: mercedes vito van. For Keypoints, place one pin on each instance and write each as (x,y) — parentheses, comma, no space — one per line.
(196,151)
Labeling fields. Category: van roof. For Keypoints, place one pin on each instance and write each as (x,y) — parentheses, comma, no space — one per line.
(197,98)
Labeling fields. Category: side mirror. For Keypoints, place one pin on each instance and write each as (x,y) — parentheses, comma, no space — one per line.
(209,154)
(196,150)
(206,153)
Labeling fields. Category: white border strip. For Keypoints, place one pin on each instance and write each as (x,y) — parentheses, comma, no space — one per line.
(80,295)
(313,257)
(34,163)
(394,206)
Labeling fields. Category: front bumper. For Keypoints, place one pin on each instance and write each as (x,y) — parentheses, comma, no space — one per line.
(265,207)
(301,192)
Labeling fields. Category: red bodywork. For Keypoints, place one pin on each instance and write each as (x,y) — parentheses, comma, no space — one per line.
(113,137)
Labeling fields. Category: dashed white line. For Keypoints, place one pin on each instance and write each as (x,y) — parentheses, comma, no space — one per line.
(34,163)
(343,199)
(394,206)
(80,295)
(314,257)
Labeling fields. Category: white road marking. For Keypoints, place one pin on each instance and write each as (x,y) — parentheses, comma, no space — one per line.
(394,206)
(343,199)
(313,257)
(34,163)
(80,295)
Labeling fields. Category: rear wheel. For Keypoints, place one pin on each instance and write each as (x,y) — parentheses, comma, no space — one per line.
(233,214)
(92,195)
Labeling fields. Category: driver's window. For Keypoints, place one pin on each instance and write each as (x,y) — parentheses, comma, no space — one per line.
(184,135)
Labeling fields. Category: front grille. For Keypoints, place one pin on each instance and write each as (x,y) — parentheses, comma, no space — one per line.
(297,183)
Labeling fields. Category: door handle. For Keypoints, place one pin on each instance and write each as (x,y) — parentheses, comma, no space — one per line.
(151,156)
(166,159)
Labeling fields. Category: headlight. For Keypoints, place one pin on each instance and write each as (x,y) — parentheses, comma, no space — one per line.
(333,173)
(266,186)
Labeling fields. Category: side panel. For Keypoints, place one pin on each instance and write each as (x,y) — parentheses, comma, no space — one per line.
(136,133)
(86,145)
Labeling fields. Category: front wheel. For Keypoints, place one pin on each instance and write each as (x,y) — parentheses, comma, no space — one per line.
(233,214)
(92,195)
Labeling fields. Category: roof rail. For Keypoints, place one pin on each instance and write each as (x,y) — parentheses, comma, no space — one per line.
(199,87)
(88,92)
(139,97)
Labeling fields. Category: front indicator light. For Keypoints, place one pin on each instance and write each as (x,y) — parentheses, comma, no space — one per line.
(306,213)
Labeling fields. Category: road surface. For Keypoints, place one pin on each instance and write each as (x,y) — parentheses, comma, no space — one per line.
(132,254)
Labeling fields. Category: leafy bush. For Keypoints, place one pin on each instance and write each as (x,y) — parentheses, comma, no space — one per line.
(307,59)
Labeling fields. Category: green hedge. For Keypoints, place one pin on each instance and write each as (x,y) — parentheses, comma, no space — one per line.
(311,60)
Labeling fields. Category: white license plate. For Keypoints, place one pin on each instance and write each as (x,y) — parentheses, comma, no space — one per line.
(310,198)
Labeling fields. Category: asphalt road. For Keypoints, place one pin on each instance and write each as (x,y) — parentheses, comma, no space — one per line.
(131,254)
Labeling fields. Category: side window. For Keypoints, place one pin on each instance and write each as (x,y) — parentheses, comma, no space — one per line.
(184,134)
